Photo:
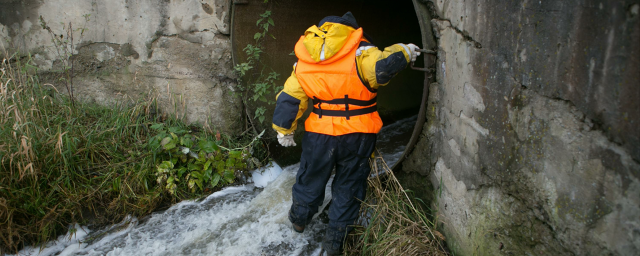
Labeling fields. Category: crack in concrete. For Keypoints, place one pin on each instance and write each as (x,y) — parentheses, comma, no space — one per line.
(464,34)
(221,79)
(597,124)
(159,35)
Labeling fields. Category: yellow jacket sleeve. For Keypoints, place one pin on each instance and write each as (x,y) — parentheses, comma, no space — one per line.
(291,103)
(376,68)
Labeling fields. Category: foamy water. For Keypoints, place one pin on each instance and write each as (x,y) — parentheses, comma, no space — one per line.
(241,220)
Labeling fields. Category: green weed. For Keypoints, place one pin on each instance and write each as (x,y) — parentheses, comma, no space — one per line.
(62,163)
(256,83)
(194,163)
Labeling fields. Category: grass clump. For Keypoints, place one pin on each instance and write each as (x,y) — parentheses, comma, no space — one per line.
(392,222)
(62,163)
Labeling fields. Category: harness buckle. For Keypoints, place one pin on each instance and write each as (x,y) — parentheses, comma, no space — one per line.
(346,105)
(319,106)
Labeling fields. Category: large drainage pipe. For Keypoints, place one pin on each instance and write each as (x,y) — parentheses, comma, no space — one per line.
(387,22)
(428,42)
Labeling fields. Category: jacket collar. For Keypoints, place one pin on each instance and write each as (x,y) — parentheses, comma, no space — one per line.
(310,46)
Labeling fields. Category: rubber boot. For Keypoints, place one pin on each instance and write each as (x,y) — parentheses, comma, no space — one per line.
(333,241)
(297,228)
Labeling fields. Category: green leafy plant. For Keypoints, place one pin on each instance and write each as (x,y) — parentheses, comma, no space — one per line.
(268,85)
(196,163)
(264,22)
(256,83)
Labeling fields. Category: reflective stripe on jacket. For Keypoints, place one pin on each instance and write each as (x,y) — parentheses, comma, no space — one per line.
(338,91)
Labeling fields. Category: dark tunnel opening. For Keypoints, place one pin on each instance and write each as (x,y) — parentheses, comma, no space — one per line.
(386,22)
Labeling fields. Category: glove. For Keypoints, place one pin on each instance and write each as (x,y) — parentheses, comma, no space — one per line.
(414,53)
(286,140)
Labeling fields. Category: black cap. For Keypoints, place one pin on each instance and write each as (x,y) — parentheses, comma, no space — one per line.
(346,19)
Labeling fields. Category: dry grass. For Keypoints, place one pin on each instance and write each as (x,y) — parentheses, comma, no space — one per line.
(63,162)
(58,160)
(393,223)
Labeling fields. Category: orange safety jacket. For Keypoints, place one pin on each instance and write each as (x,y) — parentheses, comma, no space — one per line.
(342,103)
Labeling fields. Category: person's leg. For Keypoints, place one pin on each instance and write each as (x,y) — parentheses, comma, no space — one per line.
(349,187)
(316,164)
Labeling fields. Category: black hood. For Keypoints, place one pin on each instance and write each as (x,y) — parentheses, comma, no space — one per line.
(346,19)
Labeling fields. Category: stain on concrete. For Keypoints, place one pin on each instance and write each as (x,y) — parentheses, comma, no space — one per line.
(612,161)
(207,8)
(15,12)
(222,9)
(127,50)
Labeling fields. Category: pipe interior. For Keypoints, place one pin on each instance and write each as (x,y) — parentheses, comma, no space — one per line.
(387,22)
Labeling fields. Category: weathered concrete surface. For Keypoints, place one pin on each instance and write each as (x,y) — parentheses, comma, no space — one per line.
(177,51)
(532,140)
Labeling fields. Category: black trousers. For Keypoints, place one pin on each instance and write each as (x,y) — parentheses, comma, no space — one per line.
(349,154)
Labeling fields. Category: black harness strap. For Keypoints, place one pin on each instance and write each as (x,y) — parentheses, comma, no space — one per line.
(347,100)
(346,112)
(319,102)
(346,106)
(323,112)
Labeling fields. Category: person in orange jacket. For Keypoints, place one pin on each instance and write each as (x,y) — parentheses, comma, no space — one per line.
(340,70)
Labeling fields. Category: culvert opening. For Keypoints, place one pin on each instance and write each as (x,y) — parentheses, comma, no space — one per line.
(399,102)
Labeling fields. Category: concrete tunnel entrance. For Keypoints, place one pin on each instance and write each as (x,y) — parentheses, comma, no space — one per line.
(385,21)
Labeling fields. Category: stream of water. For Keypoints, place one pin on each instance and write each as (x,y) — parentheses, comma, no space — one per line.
(242,220)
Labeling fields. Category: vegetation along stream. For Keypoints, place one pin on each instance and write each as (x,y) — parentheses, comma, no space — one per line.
(242,220)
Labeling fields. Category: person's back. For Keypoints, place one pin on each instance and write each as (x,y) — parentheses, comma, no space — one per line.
(339,69)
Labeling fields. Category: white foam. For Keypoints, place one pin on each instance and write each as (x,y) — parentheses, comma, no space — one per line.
(227,191)
(263,175)
(235,221)
(240,220)
(65,244)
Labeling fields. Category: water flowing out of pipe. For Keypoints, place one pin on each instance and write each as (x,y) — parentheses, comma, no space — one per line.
(242,220)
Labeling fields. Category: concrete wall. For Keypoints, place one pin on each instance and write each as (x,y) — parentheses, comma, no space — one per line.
(532,140)
(178,51)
